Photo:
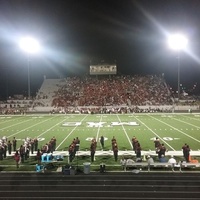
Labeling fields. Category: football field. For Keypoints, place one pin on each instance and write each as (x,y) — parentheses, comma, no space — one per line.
(173,130)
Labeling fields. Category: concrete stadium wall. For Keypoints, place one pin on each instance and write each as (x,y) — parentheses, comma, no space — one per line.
(164,108)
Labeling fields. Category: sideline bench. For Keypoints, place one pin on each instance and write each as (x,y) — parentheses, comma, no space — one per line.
(161,165)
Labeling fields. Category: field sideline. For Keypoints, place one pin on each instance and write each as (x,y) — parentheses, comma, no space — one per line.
(173,129)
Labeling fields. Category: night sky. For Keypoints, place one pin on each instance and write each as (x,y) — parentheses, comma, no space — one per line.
(74,32)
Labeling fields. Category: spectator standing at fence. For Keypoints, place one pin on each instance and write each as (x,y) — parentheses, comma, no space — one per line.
(17,158)
(14,142)
(102,142)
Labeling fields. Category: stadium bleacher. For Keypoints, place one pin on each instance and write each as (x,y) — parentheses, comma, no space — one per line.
(127,185)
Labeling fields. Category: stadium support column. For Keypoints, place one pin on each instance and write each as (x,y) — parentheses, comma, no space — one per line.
(30,46)
(178,42)
(29,81)
(178,58)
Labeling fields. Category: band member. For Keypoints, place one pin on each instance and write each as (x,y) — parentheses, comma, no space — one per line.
(157,144)
(102,141)
(17,158)
(92,150)
(14,142)
(36,144)
(9,147)
(115,151)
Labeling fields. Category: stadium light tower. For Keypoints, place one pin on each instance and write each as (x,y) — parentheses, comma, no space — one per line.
(178,42)
(30,46)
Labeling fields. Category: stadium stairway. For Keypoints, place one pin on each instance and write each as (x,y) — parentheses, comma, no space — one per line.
(118,186)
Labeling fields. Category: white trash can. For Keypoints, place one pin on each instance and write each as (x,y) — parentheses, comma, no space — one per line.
(86,168)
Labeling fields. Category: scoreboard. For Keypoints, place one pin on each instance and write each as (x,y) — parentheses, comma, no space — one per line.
(103,69)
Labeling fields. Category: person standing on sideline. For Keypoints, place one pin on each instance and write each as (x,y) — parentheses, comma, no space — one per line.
(187,154)
(36,144)
(115,152)
(77,144)
(14,142)
(138,151)
(150,162)
(172,161)
(92,150)
(1,152)
(135,144)
(102,142)
(157,144)
(39,156)
(162,150)
(5,146)
(9,147)
(113,141)
(17,158)
(184,147)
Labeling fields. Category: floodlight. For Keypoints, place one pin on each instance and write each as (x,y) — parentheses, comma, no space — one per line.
(177,42)
(29,45)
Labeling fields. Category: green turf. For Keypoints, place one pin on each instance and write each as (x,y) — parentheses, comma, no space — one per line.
(173,129)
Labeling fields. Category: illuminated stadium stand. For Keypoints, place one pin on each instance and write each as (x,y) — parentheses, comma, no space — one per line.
(74,94)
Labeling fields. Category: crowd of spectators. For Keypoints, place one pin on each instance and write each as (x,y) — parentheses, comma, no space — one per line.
(113,91)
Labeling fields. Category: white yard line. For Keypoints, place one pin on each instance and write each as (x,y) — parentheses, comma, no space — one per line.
(68,134)
(125,132)
(175,128)
(15,124)
(7,119)
(155,134)
(196,119)
(28,127)
(98,130)
(187,123)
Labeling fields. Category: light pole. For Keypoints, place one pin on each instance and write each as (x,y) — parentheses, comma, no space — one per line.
(30,46)
(178,42)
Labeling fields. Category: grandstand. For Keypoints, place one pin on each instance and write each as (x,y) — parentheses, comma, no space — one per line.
(103,93)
